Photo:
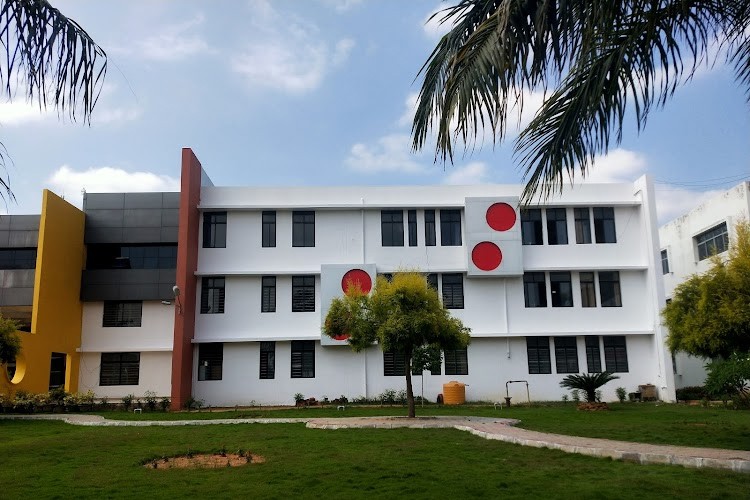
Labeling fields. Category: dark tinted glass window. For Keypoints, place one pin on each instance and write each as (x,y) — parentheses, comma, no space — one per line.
(119,368)
(303,293)
(131,256)
(17,258)
(456,362)
(583,225)
(429,228)
(58,361)
(450,228)
(122,313)
(214,230)
(537,352)
(268,229)
(588,290)
(531,226)
(616,354)
(303,229)
(212,295)
(593,355)
(562,291)
(392,228)
(664,262)
(432,281)
(394,364)
(210,361)
(609,288)
(267,360)
(268,294)
(557,226)
(303,359)
(604,225)
(713,241)
(534,290)
(412,214)
(566,355)
(453,291)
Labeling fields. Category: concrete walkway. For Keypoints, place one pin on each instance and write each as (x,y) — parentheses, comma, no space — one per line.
(499,429)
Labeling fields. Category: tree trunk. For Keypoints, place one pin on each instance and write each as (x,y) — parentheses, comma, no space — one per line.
(409,389)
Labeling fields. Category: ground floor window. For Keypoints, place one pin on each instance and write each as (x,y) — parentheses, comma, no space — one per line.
(210,361)
(616,354)
(537,351)
(394,364)
(566,355)
(120,368)
(57,370)
(303,359)
(593,355)
(267,360)
(456,362)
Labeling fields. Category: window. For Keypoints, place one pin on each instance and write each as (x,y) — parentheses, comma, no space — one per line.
(557,226)
(593,356)
(303,229)
(453,291)
(588,290)
(268,294)
(303,293)
(450,228)
(429,228)
(119,368)
(122,313)
(392,228)
(456,362)
(269,229)
(432,281)
(615,354)
(583,225)
(566,355)
(108,256)
(713,241)
(562,291)
(212,296)
(57,370)
(534,290)
(17,258)
(394,364)
(210,361)
(303,359)
(267,360)
(412,218)
(215,230)
(531,226)
(664,262)
(604,225)
(609,288)
(537,351)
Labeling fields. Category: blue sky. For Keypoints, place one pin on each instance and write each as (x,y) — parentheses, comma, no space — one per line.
(315,92)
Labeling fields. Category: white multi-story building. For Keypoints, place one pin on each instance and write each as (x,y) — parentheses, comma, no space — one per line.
(686,245)
(568,287)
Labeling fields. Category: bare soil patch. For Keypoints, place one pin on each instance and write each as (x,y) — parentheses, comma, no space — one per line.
(205,461)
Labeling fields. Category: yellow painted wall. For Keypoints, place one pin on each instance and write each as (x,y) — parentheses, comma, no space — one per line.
(57,308)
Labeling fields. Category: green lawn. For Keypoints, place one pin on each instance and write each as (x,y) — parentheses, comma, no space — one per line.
(53,459)
(647,423)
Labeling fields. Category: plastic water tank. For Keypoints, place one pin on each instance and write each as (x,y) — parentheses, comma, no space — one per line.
(454,393)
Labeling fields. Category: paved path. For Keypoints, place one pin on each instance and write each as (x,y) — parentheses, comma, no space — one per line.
(488,428)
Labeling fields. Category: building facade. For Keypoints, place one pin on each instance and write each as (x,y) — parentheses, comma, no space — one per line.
(220,293)
(686,245)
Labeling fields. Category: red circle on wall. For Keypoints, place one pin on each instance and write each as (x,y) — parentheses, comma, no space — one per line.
(501,216)
(357,277)
(486,256)
(341,337)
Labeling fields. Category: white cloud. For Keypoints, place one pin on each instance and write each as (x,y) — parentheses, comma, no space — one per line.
(287,53)
(173,42)
(473,173)
(619,165)
(391,153)
(342,5)
(68,182)
(672,202)
(23,112)
(431,24)
(410,107)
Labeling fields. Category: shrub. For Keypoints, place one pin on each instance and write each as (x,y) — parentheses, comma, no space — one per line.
(691,393)
(576,395)
(150,398)
(621,394)
(164,404)
(401,396)
(57,395)
(388,396)
(194,404)
(127,401)
(588,383)
(299,397)
(565,398)
(728,379)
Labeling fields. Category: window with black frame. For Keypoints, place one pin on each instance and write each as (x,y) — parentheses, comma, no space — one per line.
(303,293)
(303,229)
(303,359)
(453,291)
(392,228)
(214,230)
(210,361)
(450,228)
(531,227)
(268,229)
(557,226)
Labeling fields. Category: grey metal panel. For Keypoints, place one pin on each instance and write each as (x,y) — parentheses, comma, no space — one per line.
(139,292)
(100,292)
(167,276)
(17,278)
(4,238)
(142,217)
(24,222)
(92,201)
(23,239)
(170,200)
(165,291)
(104,218)
(168,235)
(170,217)
(103,235)
(141,235)
(17,297)
(143,200)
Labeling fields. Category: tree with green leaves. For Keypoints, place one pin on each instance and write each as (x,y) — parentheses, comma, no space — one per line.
(588,383)
(709,315)
(49,60)
(10,342)
(592,60)
(401,315)
(426,357)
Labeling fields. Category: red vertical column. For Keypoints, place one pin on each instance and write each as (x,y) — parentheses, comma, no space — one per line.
(187,264)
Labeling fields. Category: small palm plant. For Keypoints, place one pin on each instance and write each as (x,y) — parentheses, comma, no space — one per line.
(588,382)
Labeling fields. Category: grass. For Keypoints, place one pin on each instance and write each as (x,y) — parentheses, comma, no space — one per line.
(648,423)
(52,459)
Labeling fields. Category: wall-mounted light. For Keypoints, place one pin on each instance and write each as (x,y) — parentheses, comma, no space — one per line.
(176,292)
